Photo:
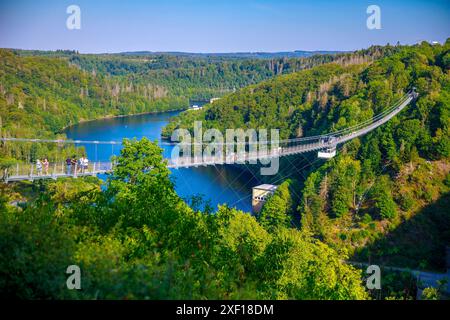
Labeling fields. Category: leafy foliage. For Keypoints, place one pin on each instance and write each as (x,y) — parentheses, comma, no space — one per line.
(137,239)
(279,208)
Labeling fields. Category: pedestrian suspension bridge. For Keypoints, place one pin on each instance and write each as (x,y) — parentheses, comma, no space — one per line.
(325,145)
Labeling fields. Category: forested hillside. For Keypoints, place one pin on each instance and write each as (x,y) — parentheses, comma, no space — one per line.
(276,103)
(384,197)
(41,95)
(202,77)
(41,92)
(138,240)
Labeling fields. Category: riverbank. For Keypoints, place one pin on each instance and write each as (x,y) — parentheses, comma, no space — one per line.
(110,116)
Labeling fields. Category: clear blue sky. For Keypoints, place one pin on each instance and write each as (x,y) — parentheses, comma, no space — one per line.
(219,25)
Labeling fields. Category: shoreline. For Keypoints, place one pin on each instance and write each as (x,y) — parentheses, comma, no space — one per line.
(117,116)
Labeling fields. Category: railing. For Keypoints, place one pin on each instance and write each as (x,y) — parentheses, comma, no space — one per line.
(32,171)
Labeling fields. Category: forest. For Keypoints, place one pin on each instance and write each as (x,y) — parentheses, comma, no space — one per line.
(135,238)
(383,191)
(43,92)
(140,240)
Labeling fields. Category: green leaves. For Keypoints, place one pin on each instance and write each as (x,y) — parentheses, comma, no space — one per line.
(384,202)
(296,267)
(138,239)
(278,209)
(139,160)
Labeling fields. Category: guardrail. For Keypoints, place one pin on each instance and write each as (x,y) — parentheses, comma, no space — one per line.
(31,171)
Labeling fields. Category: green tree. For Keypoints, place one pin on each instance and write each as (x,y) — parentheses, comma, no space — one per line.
(278,209)
(384,202)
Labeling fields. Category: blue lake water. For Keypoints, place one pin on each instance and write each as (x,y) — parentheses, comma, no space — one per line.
(217,184)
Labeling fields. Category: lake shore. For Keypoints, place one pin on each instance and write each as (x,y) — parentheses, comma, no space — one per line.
(118,116)
(219,185)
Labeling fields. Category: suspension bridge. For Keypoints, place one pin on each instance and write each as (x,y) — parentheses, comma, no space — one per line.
(325,145)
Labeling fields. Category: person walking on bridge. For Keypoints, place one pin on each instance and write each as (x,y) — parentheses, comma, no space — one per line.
(73,163)
(80,164)
(45,163)
(85,164)
(38,167)
(68,165)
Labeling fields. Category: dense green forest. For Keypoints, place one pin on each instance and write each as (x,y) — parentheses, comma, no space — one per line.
(39,96)
(133,237)
(276,103)
(42,92)
(384,191)
(200,76)
(138,239)
(59,88)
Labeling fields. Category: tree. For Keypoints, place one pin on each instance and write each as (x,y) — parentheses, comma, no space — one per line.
(345,178)
(140,185)
(294,266)
(379,94)
(279,207)
(384,202)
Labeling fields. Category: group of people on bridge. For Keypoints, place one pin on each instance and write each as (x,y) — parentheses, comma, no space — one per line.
(42,166)
(73,166)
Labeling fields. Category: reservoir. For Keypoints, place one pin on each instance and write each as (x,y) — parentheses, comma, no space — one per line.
(217,184)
